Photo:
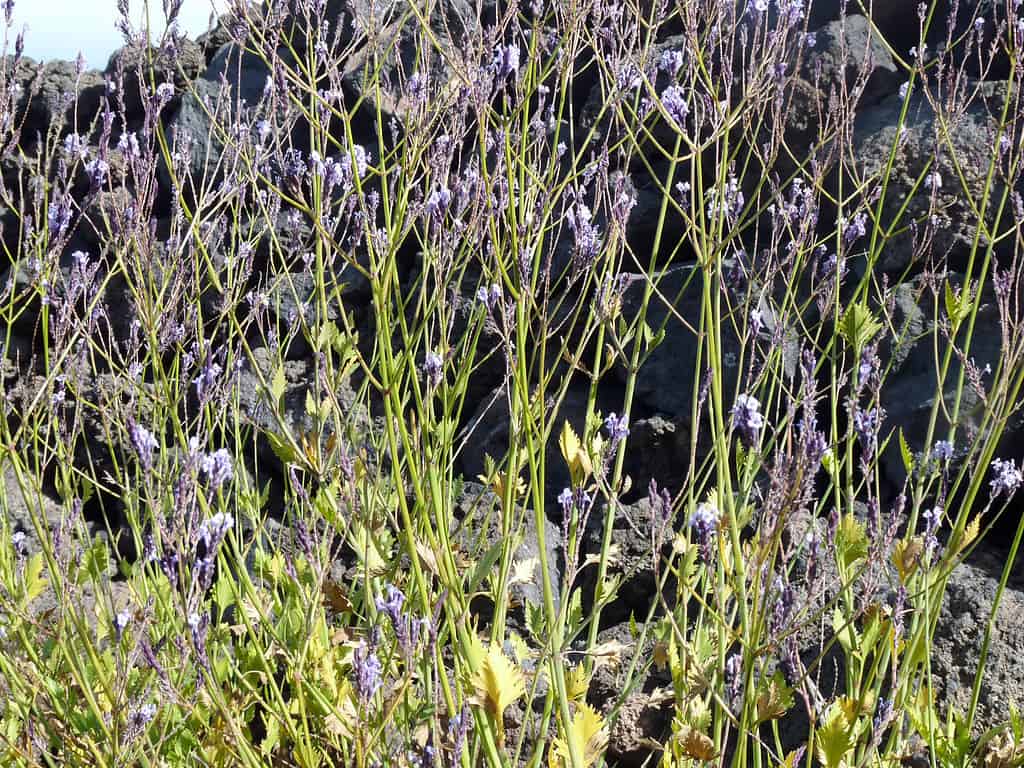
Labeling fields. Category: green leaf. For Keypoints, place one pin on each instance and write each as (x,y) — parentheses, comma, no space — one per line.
(851,540)
(281,448)
(95,561)
(859,326)
(485,565)
(845,632)
(958,303)
(278,384)
(35,581)
(835,738)
(905,452)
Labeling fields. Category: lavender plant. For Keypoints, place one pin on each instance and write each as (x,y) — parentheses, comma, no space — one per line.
(437,383)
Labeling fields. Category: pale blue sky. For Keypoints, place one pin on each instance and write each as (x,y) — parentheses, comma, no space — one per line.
(58,29)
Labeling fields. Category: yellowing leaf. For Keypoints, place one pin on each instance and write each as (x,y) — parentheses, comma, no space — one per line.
(970,534)
(577,683)
(497,683)
(609,653)
(851,540)
(576,458)
(835,738)
(695,744)
(586,736)
(35,580)
(568,443)
(906,556)
(774,700)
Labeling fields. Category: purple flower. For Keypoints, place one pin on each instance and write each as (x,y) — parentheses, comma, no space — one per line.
(121,622)
(671,61)
(674,100)
(855,229)
(75,145)
(747,418)
(367,669)
(565,501)
(704,525)
(458,728)
(218,468)
(506,61)
(97,171)
(866,423)
(438,202)
(733,677)
(932,521)
(489,297)
(144,443)
(588,236)
(206,380)
(362,160)
(164,93)
(263,129)
(942,450)
(215,529)
(18,543)
(198,626)
(617,427)
(1006,477)
(141,717)
(433,369)
(391,605)
(883,716)
(128,144)
(59,215)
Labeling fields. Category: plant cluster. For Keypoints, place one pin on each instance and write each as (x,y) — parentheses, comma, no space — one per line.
(329,419)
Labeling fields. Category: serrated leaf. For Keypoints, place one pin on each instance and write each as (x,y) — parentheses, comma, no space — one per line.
(851,540)
(906,556)
(858,326)
(576,457)
(281,448)
(523,571)
(906,453)
(35,581)
(844,630)
(971,531)
(577,683)
(958,303)
(586,736)
(774,699)
(498,683)
(608,654)
(697,745)
(835,738)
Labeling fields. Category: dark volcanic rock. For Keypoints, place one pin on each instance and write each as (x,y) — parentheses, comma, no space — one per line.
(959,635)
(923,171)
(478,512)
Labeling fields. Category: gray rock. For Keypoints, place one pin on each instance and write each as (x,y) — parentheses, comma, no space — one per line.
(925,140)
(638,709)
(50,93)
(478,511)
(669,378)
(256,407)
(146,67)
(488,432)
(911,387)
(633,539)
(959,633)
